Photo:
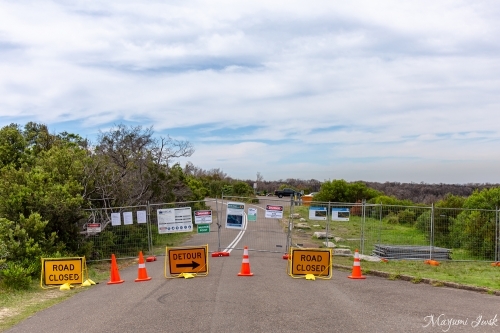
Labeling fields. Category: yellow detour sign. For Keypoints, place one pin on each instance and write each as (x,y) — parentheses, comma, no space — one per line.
(317,262)
(63,270)
(187,260)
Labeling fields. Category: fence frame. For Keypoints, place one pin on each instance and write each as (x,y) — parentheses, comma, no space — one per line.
(376,236)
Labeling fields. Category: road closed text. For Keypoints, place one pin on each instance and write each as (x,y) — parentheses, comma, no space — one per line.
(310,262)
(60,271)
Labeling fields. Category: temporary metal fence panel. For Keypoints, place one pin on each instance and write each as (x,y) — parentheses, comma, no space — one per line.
(309,225)
(263,228)
(123,231)
(396,232)
(471,233)
(165,231)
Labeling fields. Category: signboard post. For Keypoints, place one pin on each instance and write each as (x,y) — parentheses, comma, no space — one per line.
(186,260)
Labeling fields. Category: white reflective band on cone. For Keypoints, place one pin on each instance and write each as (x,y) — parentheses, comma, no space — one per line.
(142,265)
(357,263)
(246,261)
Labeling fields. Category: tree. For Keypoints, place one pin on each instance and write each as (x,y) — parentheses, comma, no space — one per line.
(130,166)
(12,146)
(475,227)
(342,191)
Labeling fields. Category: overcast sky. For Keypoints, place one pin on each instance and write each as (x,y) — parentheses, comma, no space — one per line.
(405,91)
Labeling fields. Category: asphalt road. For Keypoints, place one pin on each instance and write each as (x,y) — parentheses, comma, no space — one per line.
(269,301)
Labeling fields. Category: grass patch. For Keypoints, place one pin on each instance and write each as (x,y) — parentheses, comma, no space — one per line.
(479,274)
(164,240)
(18,305)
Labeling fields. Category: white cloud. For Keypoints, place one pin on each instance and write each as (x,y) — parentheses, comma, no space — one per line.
(298,86)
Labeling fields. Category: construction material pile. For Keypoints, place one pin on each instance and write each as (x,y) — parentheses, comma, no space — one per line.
(411,252)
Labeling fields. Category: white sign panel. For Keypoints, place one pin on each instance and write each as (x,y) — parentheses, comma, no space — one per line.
(235,215)
(172,220)
(252,215)
(141,216)
(274,212)
(317,213)
(203,216)
(93,227)
(116,219)
(127,218)
(340,214)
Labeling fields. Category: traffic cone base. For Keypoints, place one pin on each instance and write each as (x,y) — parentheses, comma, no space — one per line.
(245,264)
(431,262)
(356,268)
(142,274)
(115,274)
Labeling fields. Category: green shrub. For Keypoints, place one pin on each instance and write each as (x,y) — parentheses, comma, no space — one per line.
(406,217)
(15,276)
(392,218)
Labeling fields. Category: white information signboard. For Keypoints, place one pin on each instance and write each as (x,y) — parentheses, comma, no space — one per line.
(252,215)
(202,216)
(127,218)
(172,220)
(93,227)
(116,219)
(141,216)
(274,212)
(235,215)
(317,213)
(340,214)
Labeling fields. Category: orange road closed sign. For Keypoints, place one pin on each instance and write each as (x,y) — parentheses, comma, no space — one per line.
(61,271)
(310,261)
(187,260)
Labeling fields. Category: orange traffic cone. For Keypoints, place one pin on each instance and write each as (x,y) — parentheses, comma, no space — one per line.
(142,273)
(356,268)
(115,275)
(245,264)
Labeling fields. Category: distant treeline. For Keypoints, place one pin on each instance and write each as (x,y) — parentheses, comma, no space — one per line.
(426,193)
(415,192)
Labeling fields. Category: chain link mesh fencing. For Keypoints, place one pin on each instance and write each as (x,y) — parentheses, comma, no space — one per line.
(269,224)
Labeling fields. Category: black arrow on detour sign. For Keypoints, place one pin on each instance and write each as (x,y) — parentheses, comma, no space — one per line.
(193,265)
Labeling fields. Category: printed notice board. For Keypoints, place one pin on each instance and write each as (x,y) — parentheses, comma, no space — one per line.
(172,220)
(202,216)
(317,213)
(235,215)
(340,214)
(274,212)
(252,214)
